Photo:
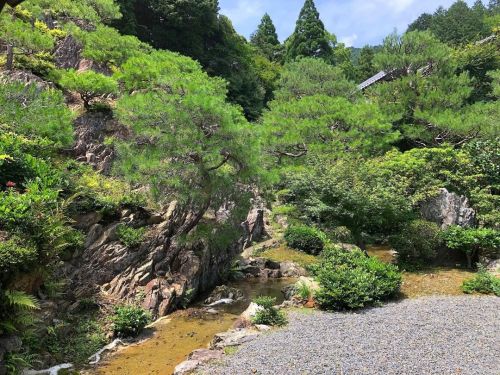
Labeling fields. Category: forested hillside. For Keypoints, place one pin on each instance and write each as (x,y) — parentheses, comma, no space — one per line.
(136,136)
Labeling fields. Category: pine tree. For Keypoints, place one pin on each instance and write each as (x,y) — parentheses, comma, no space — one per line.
(310,38)
(266,39)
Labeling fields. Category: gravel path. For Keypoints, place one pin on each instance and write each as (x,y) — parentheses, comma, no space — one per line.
(434,335)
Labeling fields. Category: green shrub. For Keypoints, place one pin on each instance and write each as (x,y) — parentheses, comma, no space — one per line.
(268,315)
(130,237)
(473,241)
(128,321)
(484,282)
(303,290)
(417,243)
(16,255)
(307,239)
(351,280)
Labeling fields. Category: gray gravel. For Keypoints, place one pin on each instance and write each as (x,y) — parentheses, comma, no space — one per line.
(435,335)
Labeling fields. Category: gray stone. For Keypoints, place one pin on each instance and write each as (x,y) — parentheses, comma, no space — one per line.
(234,337)
(447,209)
(94,233)
(290,269)
(87,220)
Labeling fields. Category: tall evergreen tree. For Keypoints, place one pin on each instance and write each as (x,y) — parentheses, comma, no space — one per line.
(310,38)
(266,39)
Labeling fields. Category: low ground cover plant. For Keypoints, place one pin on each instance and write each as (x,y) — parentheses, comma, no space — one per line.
(484,283)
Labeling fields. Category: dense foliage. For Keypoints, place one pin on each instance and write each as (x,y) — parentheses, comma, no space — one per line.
(357,165)
(128,321)
(473,241)
(266,39)
(307,239)
(351,280)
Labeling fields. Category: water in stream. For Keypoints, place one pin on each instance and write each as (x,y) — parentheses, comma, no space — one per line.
(173,338)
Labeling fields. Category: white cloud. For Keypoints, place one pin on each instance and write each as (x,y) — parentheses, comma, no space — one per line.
(348,40)
(243,11)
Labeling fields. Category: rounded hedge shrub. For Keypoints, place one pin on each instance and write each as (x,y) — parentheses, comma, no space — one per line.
(307,239)
(351,280)
(417,243)
(128,321)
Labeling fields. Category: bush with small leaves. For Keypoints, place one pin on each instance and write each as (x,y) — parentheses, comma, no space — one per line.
(268,314)
(16,255)
(484,283)
(128,321)
(130,237)
(305,238)
(351,280)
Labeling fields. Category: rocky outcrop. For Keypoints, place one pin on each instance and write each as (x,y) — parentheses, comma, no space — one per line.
(67,54)
(25,77)
(266,268)
(165,270)
(91,130)
(447,209)
(254,227)
(234,337)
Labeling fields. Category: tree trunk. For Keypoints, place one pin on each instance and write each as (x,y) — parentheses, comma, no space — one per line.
(188,227)
(10,57)
(469,260)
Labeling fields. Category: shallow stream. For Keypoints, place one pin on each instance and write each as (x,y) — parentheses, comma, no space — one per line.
(173,338)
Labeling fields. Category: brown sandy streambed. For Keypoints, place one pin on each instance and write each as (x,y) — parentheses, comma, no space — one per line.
(173,338)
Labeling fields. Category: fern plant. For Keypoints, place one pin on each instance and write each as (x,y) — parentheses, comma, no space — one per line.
(16,313)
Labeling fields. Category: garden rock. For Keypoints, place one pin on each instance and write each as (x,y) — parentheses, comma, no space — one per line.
(234,337)
(224,292)
(448,209)
(290,269)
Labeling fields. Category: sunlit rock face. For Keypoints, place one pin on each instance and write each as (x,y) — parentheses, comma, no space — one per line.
(447,209)
(165,271)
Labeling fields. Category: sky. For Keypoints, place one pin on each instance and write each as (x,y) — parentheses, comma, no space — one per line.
(354,22)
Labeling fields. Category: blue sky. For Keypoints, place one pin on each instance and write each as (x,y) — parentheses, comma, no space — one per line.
(355,22)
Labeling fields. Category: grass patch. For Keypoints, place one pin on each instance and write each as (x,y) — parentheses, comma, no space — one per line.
(230,350)
(283,254)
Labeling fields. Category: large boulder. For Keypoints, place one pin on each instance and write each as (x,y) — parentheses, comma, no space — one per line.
(254,227)
(447,209)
